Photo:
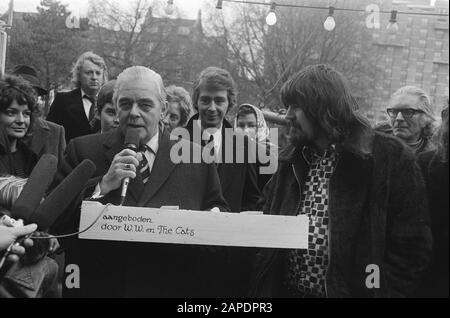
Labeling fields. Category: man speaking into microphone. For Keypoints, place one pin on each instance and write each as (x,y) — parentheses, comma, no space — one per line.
(122,269)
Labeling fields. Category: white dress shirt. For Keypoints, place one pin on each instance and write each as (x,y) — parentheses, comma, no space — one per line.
(153,144)
(87,104)
(217,135)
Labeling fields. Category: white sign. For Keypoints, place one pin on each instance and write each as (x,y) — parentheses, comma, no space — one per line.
(193,227)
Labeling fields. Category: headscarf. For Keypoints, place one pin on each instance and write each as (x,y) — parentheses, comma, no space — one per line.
(262,131)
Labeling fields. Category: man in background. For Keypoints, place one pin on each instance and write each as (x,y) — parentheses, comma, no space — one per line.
(75,110)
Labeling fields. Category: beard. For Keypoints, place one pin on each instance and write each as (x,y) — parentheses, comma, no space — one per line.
(297,137)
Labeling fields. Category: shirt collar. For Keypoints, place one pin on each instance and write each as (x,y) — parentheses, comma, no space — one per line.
(310,154)
(83,94)
(153,143)
(217,135)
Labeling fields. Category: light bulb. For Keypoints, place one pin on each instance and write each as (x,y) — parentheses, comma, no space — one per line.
(271,18)
(329,24)
(392,28)
(169,8)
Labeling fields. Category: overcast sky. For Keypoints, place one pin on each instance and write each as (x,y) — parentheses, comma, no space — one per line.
(79,7)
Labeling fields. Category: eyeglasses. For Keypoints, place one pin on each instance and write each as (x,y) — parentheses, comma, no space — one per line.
(407,113)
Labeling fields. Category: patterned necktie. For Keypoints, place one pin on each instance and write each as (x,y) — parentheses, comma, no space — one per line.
(144,167)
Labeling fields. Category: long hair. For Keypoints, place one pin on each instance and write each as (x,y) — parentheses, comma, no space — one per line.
(442,134)
(324,95)
(214,79)
(14,88)
(93,58)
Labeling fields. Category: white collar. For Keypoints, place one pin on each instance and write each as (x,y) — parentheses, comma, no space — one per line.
(83,93)
(217,134)
(153,143)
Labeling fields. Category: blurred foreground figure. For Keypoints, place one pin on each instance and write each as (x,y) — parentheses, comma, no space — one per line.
(434,166)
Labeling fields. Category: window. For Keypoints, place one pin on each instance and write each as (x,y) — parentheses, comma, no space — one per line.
(184,31)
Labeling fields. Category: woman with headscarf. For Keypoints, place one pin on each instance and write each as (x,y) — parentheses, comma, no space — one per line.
(250,121)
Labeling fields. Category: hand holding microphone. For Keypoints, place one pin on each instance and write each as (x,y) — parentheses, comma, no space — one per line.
(124,166)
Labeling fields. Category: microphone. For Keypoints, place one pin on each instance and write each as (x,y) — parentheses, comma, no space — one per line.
(275,118)
(131,142)
(63,195)
(35,188)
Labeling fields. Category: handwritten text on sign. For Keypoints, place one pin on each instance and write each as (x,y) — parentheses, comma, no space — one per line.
(193,227)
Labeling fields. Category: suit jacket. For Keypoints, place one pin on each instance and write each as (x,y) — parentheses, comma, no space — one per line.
(67,110)
(112,269)
(47,138)
(239,180)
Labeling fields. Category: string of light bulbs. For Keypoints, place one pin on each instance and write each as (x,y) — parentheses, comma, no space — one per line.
(329,24)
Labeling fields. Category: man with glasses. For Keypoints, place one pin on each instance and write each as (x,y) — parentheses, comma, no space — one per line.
(411,118)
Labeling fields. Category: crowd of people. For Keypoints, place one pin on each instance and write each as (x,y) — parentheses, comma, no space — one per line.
(374,195)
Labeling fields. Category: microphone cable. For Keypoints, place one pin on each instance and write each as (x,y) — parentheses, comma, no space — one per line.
(77,233)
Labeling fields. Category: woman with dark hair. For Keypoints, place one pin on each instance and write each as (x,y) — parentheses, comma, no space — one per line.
(434,166)
(17,103)
(36,274)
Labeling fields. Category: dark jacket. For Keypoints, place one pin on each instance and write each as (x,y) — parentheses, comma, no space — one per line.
(239,180)
(47,138)
(435,282)
(120,269)
(7,164)
(378,215)
(231,270)
(67,110)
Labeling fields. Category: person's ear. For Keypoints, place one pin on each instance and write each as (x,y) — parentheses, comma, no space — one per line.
(96,114)
(164,110)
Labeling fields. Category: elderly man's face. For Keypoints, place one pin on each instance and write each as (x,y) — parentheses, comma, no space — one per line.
(407,120)
(140,107)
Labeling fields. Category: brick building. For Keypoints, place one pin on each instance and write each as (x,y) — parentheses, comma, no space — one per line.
(418,54)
